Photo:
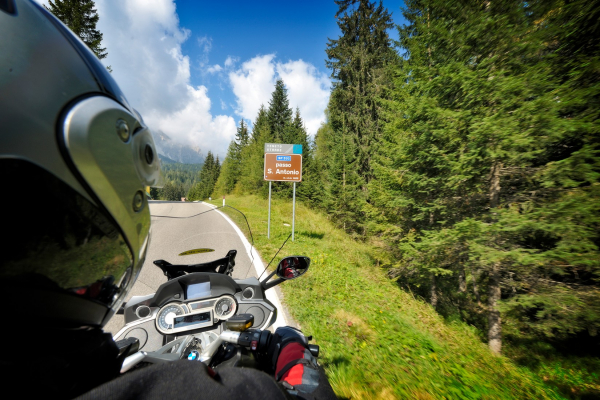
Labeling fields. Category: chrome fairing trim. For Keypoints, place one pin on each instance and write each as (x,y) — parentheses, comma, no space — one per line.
(270,320)
(135,323)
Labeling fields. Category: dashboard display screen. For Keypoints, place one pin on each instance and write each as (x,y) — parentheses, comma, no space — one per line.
(201,304)
(198,290)
(190,320)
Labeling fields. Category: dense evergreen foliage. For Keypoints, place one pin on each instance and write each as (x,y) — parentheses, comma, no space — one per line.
(491,168)
(184,175)
(209,174)
(231,168)
(179,178)
(471,152)
(81,17)
(358,60)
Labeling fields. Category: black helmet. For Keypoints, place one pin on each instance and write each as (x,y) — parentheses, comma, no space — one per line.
(75,160)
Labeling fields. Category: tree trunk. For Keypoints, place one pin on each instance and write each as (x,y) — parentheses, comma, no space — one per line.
(462,282)
(495,184)
(494,321)
(434,298)
(476,289)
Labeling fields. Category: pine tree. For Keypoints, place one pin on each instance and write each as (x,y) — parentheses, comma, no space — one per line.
(216,170)
(81,17)
(358,60)
(241,141)
(241,136)
(208,176)
(229,173)
(171,192)
(251,176)
(279,113)
(232,165)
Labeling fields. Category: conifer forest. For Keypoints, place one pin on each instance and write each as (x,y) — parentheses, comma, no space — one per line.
(471,149)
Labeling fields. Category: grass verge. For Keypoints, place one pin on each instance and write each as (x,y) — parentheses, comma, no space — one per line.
(376,340)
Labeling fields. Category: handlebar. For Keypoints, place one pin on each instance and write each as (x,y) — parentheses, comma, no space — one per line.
(249,338)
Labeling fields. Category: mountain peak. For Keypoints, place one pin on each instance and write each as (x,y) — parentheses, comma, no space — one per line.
(178,152)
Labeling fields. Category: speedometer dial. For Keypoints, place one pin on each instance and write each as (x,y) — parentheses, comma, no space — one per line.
(165,317)
(225,307)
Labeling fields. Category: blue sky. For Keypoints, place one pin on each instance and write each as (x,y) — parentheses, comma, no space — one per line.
(241,30)
(195,68)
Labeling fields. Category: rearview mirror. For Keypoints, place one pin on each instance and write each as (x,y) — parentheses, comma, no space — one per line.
(292,267)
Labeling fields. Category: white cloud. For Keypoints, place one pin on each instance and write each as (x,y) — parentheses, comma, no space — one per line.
(252,84)
(230,61)
(144,50)
(308,89)
(194,123)
(205,43)
(214,68)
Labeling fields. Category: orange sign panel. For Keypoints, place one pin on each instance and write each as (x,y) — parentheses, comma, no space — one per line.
(283,167)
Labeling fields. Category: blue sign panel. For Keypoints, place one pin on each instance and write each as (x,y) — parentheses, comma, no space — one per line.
(297,149)
(284,158)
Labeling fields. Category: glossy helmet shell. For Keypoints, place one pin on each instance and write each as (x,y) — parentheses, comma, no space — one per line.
(75,160)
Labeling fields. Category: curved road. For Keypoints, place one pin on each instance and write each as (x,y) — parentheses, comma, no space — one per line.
(171,236)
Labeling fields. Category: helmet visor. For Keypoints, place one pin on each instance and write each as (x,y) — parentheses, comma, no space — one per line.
(57,234)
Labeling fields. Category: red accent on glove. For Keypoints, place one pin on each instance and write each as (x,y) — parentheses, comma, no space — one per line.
(291,352)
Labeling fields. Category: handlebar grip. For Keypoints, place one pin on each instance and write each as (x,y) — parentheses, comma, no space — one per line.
(314,349)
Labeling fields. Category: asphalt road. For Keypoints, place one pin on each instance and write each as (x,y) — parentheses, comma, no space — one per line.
(171,236)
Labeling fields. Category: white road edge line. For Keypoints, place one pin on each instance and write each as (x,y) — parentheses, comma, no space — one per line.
(260,267)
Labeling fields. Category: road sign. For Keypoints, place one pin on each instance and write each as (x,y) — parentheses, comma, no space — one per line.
(280,148)
(283,163)
(283,167)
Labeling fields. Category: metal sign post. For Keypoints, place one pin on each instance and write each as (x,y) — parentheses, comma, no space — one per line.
(283,163)
(269,223)
(294,213)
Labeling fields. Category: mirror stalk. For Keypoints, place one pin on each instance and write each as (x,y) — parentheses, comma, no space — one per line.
(269,276)
(268,285)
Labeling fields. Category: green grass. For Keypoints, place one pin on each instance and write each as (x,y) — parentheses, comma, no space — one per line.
(376,340)
(575,375)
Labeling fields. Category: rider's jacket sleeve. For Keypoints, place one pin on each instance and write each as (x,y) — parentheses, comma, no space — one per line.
(190,380)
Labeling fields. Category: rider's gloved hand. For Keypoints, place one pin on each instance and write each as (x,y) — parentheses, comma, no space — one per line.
(295,367)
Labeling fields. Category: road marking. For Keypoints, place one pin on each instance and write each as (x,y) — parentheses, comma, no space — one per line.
(260,267)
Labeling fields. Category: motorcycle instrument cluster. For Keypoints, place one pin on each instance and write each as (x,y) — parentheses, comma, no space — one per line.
(174,318)
(191,320)
(224,307)
(166,316)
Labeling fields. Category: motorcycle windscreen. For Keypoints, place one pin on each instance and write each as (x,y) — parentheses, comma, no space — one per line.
(56,237)
(205,233)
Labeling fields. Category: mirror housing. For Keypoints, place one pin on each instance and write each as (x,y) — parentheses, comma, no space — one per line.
(292,267)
